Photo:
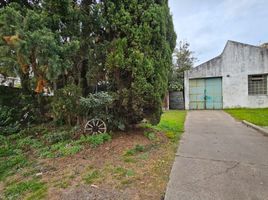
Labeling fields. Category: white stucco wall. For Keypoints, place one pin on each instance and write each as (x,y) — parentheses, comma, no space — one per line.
(234,65)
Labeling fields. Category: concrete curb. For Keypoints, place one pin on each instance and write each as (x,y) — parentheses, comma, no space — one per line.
(258,128)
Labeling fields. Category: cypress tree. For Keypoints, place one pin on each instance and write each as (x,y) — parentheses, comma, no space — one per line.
(142,40)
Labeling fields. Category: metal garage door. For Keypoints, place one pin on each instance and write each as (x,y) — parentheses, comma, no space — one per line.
(206,93)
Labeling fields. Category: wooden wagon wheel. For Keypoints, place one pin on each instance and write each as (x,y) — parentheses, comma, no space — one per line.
(95,126)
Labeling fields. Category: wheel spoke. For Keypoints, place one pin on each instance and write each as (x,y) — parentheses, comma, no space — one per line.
(102,124)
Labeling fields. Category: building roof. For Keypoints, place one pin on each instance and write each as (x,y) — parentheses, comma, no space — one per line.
(234,42)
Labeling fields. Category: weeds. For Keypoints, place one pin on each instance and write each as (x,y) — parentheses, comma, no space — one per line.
(95,140)
(92,176)
(150,135)
(137,149)
(60,149)
(31,188)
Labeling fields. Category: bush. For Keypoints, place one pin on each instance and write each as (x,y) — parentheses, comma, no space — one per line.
(65,104)
(8,123)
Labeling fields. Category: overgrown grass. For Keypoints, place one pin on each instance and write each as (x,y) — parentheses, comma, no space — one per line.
(255,116)
(22,150)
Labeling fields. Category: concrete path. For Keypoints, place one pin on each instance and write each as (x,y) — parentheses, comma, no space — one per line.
(219,159)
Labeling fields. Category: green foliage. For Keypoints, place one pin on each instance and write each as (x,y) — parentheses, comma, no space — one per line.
(184,61)
(34,43)
(96,105)
(65,104)
(58,136)
(95,140)
(137,149)
(9,96)
(150,135)
(8,123)
(142,40)
(122,47)
(60,149)
(121,172)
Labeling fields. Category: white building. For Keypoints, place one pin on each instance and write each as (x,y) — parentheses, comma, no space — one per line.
(10,81)
(236,78)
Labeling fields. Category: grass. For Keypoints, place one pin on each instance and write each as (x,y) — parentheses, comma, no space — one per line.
(138,162)
(172,123)
(255,116)
(33,189)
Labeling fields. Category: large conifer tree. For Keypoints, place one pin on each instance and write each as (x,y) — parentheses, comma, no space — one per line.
(142,40)
(125,45)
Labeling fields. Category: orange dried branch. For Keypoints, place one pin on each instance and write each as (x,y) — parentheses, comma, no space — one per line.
(41,83)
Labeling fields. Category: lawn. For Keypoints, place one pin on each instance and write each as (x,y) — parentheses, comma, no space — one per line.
(172,123)
(49,163)
(255,116)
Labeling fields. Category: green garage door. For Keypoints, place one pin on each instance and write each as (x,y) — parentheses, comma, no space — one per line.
(205,93)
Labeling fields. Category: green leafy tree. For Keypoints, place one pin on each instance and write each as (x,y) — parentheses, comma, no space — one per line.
(184,60)
(31,49)
(142,39)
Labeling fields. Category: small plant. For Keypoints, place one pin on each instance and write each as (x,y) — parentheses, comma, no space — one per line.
(56,137)
(121,172)
(144,156)
(130,152)
(92,176)
(138,148)
(129,159)
(95,140)
(150,135)
(171,135)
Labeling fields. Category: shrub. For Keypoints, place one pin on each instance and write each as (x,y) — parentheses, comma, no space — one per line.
(8,123)
(65,104)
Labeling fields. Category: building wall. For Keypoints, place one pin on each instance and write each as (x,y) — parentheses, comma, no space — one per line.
(234,65)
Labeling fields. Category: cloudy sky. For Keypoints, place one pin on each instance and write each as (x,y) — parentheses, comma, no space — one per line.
(208,24)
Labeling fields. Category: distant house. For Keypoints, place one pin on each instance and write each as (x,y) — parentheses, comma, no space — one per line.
(9,81)
(236,78)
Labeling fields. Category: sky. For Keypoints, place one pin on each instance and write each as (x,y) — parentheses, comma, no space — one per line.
(208,24)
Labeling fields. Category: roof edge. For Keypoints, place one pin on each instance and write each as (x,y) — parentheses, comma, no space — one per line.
(228,42)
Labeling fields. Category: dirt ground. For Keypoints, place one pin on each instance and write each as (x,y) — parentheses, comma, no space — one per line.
(113,174)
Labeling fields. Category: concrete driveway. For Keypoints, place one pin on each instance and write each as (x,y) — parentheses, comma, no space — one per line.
(219,159)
